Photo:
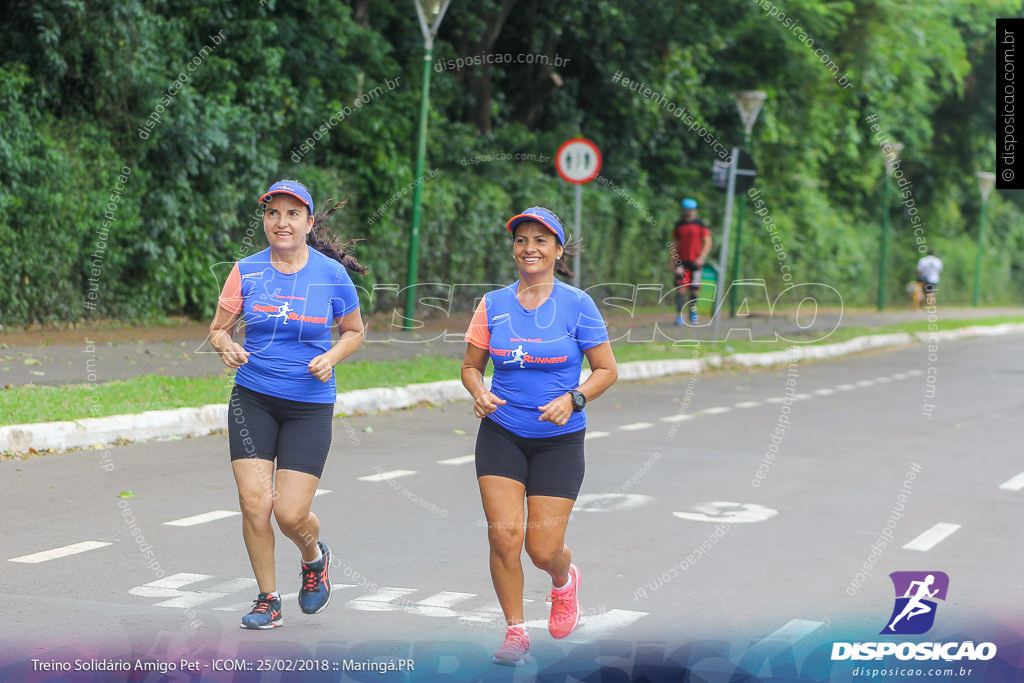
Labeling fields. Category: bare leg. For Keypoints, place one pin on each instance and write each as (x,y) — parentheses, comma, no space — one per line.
(292,510)
(545,536)
(255,480)
(503,506)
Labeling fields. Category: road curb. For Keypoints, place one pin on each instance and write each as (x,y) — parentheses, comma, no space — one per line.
(182,422)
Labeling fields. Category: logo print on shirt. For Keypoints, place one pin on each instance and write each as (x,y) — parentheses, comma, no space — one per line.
(275,311)
(518,356)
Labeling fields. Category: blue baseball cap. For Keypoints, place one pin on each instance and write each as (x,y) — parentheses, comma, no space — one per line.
(542,216)
(689,203)
(292,187)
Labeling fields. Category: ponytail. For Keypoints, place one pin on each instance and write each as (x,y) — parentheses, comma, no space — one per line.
(572,248)
(321,239)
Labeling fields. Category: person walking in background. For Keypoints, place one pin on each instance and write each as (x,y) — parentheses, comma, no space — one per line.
(289,295)
(928,269)
(530,441)
(692,244)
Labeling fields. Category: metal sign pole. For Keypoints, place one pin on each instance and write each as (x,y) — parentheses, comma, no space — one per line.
(723,254)
(577,237)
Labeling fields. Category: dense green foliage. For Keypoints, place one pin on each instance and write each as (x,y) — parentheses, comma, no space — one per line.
(89,89)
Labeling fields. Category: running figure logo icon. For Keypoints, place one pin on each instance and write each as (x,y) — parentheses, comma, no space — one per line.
(282,312)
(914,611)
(517,356)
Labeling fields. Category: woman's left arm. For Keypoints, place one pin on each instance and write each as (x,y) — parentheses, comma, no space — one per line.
(603,374)
(603,370)
(352,334)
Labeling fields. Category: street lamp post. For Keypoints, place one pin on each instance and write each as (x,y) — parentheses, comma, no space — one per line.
(435,9)
(896,148)
(749,103)
(986,181)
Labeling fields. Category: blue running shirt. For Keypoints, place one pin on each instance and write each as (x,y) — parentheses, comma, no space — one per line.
(537,355)
(288,319)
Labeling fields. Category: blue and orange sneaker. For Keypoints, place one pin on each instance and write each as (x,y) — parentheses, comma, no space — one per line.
(515,651)
(315,592)
(266,614)
(565,607)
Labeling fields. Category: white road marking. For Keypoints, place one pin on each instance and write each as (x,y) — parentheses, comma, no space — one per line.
(823,392)
(677,418)
(606,502)
(778,645)
(203,518)
(460,460)
(900,375)
(439,604)
(883,380)
(382,600)
(717,410)
(800,397)
(390,474)
(846,387)
(915,373)
(63,551)
(596,435)
(1015,484)
(636,426)
(866,383)
(596,626)
(727,511)
(931,538)
(748,404)
(322,492)
(775,399)
(168,588)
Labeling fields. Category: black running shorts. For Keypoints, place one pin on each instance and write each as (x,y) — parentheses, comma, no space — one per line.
(295,433)
(549,466)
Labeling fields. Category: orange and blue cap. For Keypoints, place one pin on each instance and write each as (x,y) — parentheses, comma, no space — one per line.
(541,215)
(292,187)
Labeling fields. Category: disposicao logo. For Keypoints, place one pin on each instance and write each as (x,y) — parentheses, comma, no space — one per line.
(916,592)
(913,614)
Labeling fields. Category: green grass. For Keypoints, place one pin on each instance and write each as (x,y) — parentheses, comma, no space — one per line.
(72,402)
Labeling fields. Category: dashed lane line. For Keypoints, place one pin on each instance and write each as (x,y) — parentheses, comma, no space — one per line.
(385,476)
(63,551)
(205,517)
(717,410)
(1014,484)
(596,435)
(748,404)
(932,537)
(636,426)
(460,460)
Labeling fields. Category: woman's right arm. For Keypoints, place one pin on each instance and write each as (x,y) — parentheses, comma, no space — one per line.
(473,366)
(231,352)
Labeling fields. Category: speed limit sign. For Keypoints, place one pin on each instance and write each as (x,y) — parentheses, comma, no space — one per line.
(578,161)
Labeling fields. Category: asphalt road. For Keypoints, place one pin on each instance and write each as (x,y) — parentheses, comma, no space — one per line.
(683,546)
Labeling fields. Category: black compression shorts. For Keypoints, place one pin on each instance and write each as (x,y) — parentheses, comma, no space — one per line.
(549,466)
(295,433)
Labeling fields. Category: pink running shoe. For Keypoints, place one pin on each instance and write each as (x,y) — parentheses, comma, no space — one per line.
(515,651)
(565,607)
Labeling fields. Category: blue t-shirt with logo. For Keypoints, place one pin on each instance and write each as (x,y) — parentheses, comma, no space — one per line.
(288,319)
(537,354)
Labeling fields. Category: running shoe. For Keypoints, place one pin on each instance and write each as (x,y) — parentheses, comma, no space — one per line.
(515,651)
(693,317)
(565,607)
(316,587)
(679,320)
(266,613)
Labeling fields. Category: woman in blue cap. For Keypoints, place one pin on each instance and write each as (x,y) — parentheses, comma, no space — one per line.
(289,295)
(536,333)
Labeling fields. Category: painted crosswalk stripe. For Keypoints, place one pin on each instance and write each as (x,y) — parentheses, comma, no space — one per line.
(322,492)
(596,626)
(823,392)
(596,435)
(439,604)
(931,538)
(203,518)
(384,600)
(63,551)
(636,426)
(460,460)
(677,418)
(390,474)
(1015,484)
(776,647)
(717,410)
(749,404)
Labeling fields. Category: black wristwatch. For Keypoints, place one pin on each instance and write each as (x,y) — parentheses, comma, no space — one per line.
(578,400)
